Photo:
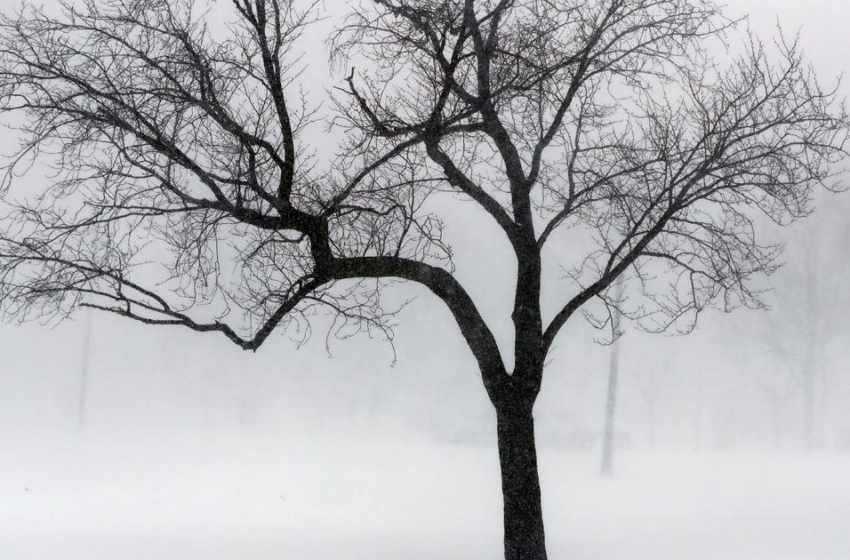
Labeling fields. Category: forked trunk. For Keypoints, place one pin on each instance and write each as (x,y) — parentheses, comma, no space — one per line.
(524,535)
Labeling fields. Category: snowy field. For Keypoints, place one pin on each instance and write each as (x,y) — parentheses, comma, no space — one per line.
(228,498)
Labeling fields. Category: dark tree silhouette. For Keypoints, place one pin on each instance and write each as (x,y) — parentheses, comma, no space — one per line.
(612,137)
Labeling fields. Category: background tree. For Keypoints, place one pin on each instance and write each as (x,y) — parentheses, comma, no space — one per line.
(653,379)
(602,137)
(802,327)
(611,393)
(85,374)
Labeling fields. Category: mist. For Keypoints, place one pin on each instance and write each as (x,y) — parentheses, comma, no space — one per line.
(732,442)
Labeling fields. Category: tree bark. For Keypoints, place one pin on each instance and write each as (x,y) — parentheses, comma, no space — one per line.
(523,511)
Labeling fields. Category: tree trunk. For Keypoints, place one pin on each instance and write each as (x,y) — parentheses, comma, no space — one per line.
(84,375)
(611,402)
(610,414)
(524,535)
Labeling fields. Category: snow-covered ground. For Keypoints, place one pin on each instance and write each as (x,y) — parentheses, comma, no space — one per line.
(229,498)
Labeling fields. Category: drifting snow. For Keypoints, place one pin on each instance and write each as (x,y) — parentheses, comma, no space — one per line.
(271,499)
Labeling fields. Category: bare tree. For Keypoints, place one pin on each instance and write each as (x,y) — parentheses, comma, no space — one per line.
(802,327)
(601,135)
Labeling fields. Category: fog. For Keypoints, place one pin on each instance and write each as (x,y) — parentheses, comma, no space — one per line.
(121,440)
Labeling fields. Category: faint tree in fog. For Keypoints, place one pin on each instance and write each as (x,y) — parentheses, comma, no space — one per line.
(778,392)
(85,375)
(611,392)
(805,323)
(599,136)
(651,383)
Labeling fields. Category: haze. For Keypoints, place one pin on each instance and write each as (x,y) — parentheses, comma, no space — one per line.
(119,440)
